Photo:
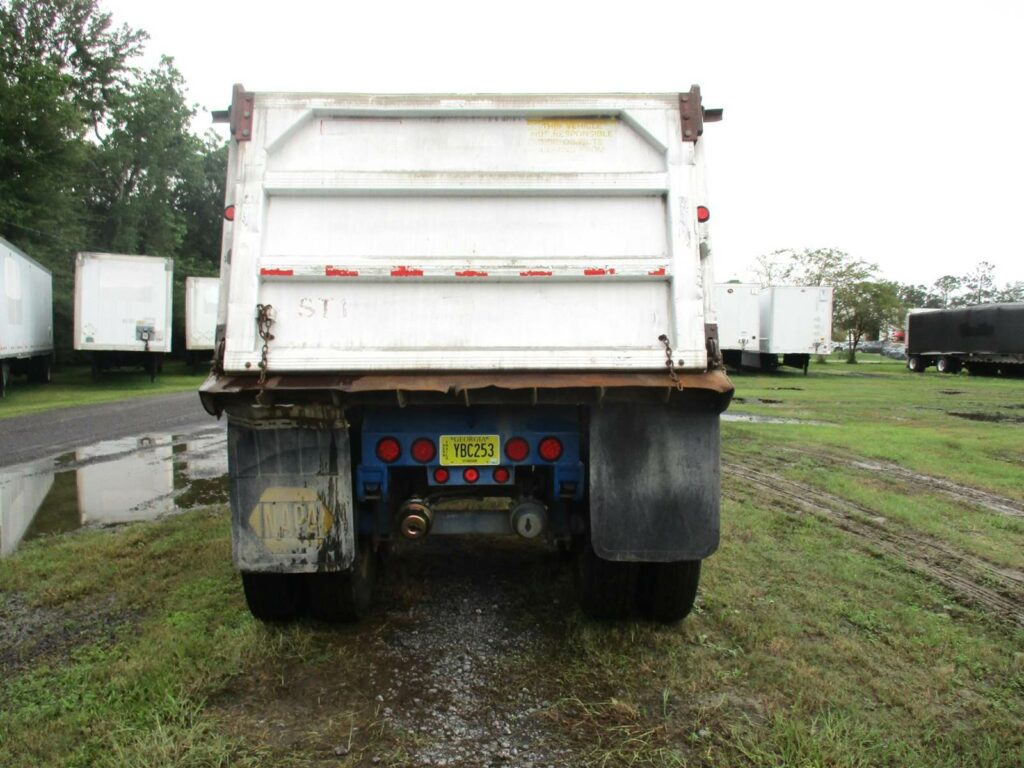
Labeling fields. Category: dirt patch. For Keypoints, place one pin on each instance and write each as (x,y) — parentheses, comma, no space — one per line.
(456,666)
(951,391)
(973,580)
(31,634)
(988,417)
(788,389)
(757,400)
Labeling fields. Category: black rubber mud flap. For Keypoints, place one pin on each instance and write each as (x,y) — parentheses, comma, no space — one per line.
(291,498)
(654,482)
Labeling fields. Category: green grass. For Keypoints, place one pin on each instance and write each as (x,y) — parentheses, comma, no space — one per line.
(808,649)
(74,385)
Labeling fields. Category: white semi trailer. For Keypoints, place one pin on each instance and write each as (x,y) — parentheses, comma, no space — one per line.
(26,317)
(123,309)
(796,322)
(202,295)
(426,298)
(738,306)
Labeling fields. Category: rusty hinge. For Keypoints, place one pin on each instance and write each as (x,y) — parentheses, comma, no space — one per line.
(239,114)
(693,115)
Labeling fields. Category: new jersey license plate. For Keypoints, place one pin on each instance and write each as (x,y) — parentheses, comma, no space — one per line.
(475,450)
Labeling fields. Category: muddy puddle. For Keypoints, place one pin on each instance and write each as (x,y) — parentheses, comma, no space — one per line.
(112,482)
(753,418)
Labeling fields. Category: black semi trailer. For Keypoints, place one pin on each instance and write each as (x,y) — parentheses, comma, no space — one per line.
(987,340)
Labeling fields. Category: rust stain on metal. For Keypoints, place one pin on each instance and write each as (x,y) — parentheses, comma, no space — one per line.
(240,114)
(715,381)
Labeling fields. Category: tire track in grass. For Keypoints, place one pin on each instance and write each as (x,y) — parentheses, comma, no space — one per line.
(963,494)
(973,580)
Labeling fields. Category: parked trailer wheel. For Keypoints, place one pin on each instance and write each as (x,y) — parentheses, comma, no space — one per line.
(606,588)
(274,596)
(666,591)
(947,365)
(5,378)
(916,364)
(344,596)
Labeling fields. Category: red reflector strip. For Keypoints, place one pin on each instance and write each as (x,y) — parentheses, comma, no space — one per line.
(339,272)
(598,271)
(274,272)
(659,272)
(470,273)
(406,272)
(535,273)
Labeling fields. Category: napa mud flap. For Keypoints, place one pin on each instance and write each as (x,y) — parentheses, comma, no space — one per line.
(654,482)
(291,497)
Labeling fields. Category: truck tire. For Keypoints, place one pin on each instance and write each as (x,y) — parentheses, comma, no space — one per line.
(947,365)
(916,364)
(666,591)
(274,596)
(5,378)
(344,596)
(606,588)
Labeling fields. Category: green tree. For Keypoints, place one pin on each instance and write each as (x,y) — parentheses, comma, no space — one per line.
(60,63)
(979,284)
(143,165)
(945,290)
(871,307)
(1011,292)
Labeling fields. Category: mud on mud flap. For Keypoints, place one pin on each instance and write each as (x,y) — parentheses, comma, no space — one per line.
(654,482)
(291,497)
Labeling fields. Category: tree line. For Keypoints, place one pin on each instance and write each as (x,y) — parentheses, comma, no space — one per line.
(97,153)
(866,305)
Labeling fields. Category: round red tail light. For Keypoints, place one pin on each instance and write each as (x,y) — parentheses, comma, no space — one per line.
(423,450)
(703,213)
(550,449)
(440,475)
(388,449)
(501,475)
(470,475)
(229,213)
(517,449)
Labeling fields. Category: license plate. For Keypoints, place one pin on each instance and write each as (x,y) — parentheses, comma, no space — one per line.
(474,450)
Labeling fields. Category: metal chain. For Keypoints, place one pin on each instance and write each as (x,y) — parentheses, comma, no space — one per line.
(264,319)
(668,362)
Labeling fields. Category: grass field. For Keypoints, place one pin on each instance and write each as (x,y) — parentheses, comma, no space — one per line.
(73,385)
(866,608)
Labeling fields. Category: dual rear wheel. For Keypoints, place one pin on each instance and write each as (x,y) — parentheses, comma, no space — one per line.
(339,597)
(662,592)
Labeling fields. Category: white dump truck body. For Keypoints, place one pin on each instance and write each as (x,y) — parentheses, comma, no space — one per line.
(202,295)
(796,319)
(465,232)
(26,305)
(123,303)
(738,307)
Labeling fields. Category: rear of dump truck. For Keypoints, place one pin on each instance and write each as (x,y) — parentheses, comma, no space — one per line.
(468,314)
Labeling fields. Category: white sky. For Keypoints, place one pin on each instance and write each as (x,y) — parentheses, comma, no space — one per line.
(892,130)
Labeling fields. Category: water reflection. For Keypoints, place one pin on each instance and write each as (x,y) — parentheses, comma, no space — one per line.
(114,481)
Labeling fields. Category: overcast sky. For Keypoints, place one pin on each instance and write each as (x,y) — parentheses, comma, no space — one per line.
(892,130)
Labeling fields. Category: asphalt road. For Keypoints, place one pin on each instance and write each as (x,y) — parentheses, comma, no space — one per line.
(38,435)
